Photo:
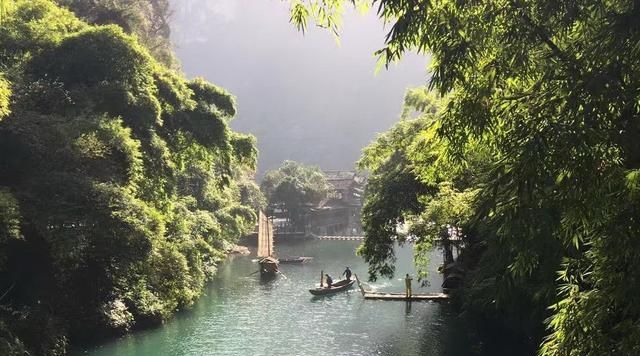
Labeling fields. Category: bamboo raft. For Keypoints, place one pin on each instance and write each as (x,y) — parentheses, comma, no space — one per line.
(436,297)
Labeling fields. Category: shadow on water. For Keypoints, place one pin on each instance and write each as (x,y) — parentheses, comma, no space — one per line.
(344,296)
(268,281)
(321,298)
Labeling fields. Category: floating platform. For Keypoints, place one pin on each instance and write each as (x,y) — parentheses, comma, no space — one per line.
(436,297)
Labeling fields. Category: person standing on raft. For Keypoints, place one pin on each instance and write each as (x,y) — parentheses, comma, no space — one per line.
(407,284)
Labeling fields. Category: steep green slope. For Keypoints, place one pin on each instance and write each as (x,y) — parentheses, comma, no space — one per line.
(120,182)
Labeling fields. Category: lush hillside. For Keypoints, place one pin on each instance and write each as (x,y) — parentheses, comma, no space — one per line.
(120,181)
(147,19)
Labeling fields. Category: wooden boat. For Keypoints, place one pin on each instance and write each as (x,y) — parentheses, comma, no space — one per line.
(339,286)
(268,266)
(301,259)
(268,263)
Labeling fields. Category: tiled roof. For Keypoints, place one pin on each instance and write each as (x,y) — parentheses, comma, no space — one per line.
(339,175)
(344,179)
(342,183)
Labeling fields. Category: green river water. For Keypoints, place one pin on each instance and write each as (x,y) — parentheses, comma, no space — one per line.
(242,315)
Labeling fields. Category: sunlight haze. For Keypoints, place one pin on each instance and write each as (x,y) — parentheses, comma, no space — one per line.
(305,97)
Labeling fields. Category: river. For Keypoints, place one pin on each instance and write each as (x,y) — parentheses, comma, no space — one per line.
(241,315)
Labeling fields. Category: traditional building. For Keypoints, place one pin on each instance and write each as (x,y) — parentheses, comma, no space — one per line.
(339,213)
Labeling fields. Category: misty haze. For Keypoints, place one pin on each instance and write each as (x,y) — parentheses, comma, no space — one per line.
(305,97)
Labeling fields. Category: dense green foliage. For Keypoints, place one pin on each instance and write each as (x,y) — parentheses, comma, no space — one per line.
(393,193)
(5,94)
(549,89)
(416,190)
(121,184)
(294,187)
(147,19)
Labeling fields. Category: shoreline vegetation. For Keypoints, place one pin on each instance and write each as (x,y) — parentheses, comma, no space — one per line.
(239,250)
(121,183)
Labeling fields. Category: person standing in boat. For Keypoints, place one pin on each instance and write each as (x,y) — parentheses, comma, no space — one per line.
(329,280)
(347,274)
(407,284)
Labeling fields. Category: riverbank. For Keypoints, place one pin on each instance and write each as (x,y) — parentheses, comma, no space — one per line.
(238,250)
(143,326)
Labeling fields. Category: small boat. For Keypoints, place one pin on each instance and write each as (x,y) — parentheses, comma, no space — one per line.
(300,259)
(268,267)
(339,286)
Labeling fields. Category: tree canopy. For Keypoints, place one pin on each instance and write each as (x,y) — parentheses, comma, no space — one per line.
(550,89)
(147,19)
(294,187)
(121,183)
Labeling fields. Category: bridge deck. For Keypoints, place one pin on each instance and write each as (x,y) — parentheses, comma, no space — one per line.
(340,237)
(350,237)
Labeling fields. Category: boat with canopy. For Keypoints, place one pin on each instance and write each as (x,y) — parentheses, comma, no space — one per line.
(266,259)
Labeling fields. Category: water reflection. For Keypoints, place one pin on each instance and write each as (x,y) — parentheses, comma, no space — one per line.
(407,307)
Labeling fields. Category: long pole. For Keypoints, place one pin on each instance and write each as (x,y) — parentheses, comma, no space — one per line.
(359,284)
(321,275)
(8,290)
